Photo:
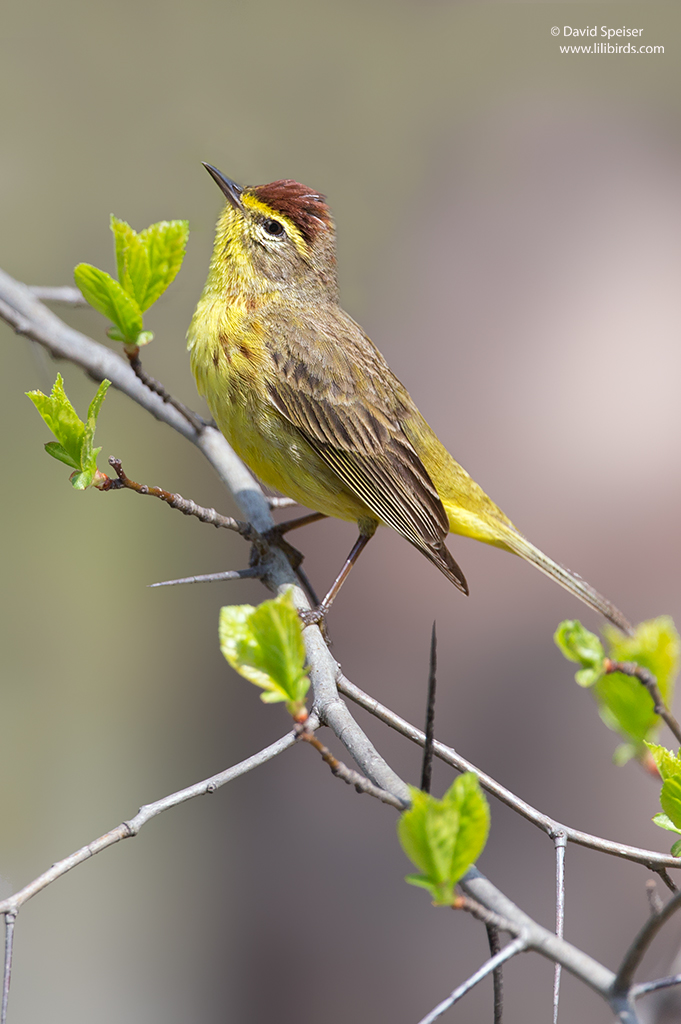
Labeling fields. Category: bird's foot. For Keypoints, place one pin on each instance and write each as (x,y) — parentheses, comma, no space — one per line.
(313,617)
(316,617)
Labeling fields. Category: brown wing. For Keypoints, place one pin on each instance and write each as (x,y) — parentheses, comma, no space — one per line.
(346,403)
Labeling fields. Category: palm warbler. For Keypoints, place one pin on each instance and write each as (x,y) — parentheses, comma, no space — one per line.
(309,403)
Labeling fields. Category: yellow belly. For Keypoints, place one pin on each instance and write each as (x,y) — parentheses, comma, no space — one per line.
(232,380)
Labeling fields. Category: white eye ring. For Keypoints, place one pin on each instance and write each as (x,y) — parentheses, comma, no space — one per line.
(273,228)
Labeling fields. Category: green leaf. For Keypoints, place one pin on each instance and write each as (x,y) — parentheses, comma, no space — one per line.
(265,645)
(670,799)
(95,405)
(664,821)
(146,263)
(655,645)
(132,261)
(624,703)
(624,752)
(412,830)
(165,245)
(676,849)
(626,707)
(110,298)
(74,438)
(444,837)
(668,764)
(578,644)
(473,823)
(421,880)
(57,451)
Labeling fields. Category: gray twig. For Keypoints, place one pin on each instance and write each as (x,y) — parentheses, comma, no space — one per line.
(349,775)
(655,986)
(560,844)
(12,904)
(10,920)
(489,917)
(664,875)
(66,295)
(650,858)
(512,949)
(133,354)
(638,948)
(184,505)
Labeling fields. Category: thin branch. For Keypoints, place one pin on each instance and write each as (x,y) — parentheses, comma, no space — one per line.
(490,918)
(184,505)
(664,875)
(650,858)
(211,577)
(560,843)
(639,946)
(348,775)
(648,680)
(655,986)
(512,949)
(427,767)
(10,920)
(12,904)
(66,295)
(133,354)
(497,974)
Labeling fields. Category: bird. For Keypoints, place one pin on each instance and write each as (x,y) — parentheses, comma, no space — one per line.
(311,406)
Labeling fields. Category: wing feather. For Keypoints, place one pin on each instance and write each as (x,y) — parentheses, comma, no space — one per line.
(366,447)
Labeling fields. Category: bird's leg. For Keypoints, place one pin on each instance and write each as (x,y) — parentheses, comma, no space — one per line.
(317,614)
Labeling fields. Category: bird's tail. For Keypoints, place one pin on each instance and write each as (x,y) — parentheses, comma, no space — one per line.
(571,581)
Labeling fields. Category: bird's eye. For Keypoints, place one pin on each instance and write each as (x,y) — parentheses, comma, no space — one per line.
(274,228)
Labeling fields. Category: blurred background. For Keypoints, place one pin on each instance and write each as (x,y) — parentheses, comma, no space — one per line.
(509,223)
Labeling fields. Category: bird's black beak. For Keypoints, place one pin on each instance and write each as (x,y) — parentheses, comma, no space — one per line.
(226,185)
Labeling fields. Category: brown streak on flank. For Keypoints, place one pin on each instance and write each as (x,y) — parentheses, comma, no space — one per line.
(305,207)
(225,345)
(216,357)
(245,351)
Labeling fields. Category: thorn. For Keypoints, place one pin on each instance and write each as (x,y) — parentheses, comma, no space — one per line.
(211,577)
